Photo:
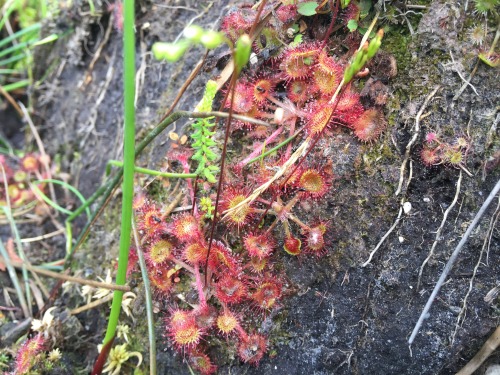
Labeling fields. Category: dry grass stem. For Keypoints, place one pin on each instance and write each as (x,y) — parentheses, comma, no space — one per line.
(91,305)
(489,346)
(43,236)
(262,188)
(60,276)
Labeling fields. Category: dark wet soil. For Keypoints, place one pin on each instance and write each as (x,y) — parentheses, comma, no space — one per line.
(339,317)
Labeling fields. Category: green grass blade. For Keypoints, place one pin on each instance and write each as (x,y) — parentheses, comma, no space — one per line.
(70,188)
(33,28)
(14,279)
(12,59)
(16,47)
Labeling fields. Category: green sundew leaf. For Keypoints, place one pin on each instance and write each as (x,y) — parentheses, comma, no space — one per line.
(213,168)
(297,40)
(489,59)
(308,8)
(197,144)
(210,143)
(209,176)
(352,25)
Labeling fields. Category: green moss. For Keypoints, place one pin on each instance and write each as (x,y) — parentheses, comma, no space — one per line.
(396,40)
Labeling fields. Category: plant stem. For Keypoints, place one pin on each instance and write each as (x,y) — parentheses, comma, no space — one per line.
(153,172)
(149,303)
(129,161)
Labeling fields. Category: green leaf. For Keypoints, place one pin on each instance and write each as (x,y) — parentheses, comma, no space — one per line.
(297,40)
(344,3)
(209,176)
(365,6)
(213,168)
(210,155)
(308,8)
(352,25)
(488,59)
(198,155)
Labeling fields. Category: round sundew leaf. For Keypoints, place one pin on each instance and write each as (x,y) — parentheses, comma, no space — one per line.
(308,8)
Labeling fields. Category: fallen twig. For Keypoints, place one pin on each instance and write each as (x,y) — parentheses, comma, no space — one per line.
(452,260)
(489,346)
(91,305)
(61,276)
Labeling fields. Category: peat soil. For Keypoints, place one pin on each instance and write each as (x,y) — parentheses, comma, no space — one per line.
(339,317)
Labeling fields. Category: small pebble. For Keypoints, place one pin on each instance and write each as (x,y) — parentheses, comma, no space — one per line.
(427,200)
(253,59)
(406,207)
(493,370)
(401,239)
